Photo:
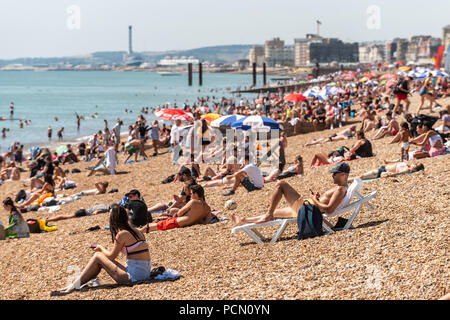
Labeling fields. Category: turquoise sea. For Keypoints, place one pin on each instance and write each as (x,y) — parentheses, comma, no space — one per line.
(42,96)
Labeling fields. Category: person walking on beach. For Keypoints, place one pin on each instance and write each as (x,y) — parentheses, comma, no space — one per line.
(403,136)
(60,136)
(154,136)
(126,239)
(402,95)
(49,133)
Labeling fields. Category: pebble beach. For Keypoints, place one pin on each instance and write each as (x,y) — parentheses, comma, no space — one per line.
(400,250)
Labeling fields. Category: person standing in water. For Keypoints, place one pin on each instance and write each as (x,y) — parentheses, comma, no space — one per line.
(78,121)
(60,136)
(11,107)
(49,133)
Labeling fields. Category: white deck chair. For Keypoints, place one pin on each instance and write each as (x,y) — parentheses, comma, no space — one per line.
(355,188)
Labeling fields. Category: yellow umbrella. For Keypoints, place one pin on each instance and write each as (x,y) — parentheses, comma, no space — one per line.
(210,117)
(364,79)
(404,68)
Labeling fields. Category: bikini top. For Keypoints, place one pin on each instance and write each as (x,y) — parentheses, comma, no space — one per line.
(128,250)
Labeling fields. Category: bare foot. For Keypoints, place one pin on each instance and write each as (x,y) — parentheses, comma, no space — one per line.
(264,218)
(237,221)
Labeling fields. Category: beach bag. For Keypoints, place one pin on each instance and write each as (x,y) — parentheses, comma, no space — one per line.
(396,88)
(22,195)
(33,225)
(309,221)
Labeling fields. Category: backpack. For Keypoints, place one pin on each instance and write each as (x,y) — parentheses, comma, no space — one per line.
(309,221)
(396,88)
(33,226)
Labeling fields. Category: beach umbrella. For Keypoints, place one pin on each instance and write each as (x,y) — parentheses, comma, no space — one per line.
(387,76)
(174,114)
(364,79)
(226,120)
(383,82)
(209,117)
(437,73)
(258,101)
(390,83)
(61,150)
(404,68)
(295,97)
(255,122)
(402,74)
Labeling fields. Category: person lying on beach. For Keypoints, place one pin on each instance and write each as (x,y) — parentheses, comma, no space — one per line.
(126,239)
(346,134)
(46,189)
(391,129)
(332,200)
(195,211)
(100,188)
(229,167)
(18,227)
(391,170)
(97,209)
(290,172)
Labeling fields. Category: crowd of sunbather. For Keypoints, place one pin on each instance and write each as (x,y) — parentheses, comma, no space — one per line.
(131,219)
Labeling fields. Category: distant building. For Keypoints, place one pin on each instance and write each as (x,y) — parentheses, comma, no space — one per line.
(175,61)
(446,44)
(277,54)
(330,49)
(243,64)
(372,53)
(315,49)
(257,56)
(421,49)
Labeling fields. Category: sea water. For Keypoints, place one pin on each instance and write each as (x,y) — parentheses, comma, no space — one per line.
(42,96)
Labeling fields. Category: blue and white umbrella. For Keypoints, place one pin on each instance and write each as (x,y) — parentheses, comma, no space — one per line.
(438,73)
(311,93)
(226,120)
(255,123)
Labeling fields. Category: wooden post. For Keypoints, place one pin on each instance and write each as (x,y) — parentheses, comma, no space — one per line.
(200,74)
(254,74)
(190,74)
(264,74)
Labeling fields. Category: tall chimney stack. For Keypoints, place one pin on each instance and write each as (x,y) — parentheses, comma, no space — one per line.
(130,33)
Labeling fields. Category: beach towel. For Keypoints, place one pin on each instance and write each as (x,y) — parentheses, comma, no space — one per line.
(132,161)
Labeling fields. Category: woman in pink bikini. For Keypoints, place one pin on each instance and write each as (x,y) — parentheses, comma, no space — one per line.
(130,241)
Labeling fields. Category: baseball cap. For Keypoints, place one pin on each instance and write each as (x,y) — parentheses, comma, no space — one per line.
(341,167)
(134,191)
(185,171)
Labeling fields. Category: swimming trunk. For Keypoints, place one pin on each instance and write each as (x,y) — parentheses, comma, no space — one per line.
(130,149)
(167,224)
(249,185)
(401,96)
(380,171)
(405,145)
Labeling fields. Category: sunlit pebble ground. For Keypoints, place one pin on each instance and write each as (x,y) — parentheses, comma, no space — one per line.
(398,251)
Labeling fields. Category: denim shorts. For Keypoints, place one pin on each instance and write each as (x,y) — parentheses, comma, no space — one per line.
(138,270)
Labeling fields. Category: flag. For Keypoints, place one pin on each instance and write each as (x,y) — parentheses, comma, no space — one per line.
(318,22)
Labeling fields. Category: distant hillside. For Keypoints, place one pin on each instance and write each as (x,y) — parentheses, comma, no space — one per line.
(214,54)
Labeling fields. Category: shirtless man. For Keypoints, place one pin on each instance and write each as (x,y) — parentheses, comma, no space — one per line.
(343,135)
(332,200)
(391,129)
(195,211)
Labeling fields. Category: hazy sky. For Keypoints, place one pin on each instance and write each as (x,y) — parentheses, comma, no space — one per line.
(39,28)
